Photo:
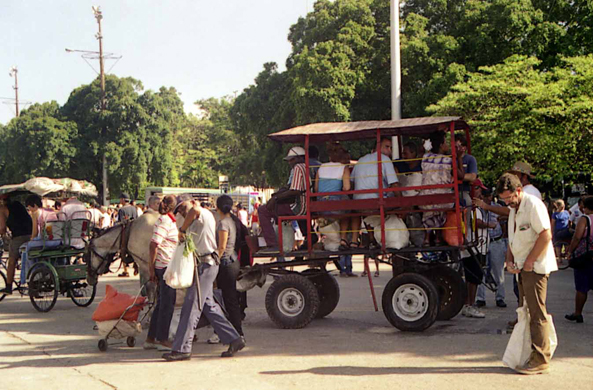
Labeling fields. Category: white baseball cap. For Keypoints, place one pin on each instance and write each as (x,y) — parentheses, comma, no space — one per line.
(295,151)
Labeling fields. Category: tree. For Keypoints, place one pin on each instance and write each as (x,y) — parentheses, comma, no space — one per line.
(519,112)
(37,143)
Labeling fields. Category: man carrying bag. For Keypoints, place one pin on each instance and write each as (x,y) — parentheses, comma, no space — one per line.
(530,256)
(199,296)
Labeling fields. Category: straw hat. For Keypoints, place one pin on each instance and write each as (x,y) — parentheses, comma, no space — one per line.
(521,167)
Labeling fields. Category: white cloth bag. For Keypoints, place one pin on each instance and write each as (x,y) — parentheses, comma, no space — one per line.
(331,234)
(519,346)
(180,271)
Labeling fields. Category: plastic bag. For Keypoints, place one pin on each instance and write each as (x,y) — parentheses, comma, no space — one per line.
(397,235)
(180,271)
(331,242)
(450,233)
(115,304)
(519,346)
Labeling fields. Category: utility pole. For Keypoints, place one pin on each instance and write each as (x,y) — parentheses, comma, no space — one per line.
(396,78)
(14,72)
(99,17)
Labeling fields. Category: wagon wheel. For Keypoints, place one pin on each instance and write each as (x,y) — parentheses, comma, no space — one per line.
(410,302)
(131,341)
(82,293)
(451,288)
(3,284)
(328,290)
(292,301)
(42,289)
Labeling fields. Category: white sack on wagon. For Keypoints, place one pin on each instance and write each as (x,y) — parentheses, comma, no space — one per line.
(331,233)
(397,235)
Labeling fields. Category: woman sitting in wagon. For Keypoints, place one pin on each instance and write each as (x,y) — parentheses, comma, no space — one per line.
(436,169)
(334,176)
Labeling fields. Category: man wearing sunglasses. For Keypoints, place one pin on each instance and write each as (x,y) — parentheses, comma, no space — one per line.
(530,255)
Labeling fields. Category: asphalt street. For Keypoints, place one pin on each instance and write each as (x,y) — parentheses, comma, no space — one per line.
(353,348)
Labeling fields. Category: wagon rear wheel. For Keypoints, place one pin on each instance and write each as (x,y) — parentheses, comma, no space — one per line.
(42,289)
(328,290)
(3,284)
(292,301)
(410,302)
(451,288)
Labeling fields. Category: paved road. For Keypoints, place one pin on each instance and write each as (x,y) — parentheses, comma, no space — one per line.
(354,348)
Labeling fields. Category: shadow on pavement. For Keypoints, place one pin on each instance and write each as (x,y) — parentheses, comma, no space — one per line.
(373,371)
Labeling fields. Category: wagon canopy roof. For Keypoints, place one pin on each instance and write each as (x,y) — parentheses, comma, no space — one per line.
(344,131)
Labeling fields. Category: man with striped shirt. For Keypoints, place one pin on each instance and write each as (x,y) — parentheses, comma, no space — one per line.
(298,185)
(164,241)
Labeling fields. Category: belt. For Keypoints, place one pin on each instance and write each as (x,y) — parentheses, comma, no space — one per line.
(210,258)
(497,239)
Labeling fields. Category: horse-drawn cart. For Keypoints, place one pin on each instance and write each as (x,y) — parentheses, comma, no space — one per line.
(426,283)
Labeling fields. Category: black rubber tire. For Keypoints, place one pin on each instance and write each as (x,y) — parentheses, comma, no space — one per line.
(86,300)
(418,289)
(451,288)
(3,284)
(291,289)
(328,290)
(42,280)
(131,341)
(102,345)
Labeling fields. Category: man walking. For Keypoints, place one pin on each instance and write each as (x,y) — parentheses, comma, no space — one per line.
(531,256)
(14,217)
(200,223)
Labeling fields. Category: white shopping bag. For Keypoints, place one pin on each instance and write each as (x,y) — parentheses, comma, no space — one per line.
(180,271)
(519,346)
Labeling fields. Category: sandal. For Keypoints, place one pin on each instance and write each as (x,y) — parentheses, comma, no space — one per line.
(123,275)
(344,245)
(364,273)
(376,274)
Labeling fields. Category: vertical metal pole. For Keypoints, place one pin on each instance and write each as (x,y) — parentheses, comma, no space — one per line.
(380,182)
(99,17)
(396,81)
(455,185)
(308,195)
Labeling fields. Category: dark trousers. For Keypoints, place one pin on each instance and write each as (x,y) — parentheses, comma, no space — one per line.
(533,290)
(163,310)
(265,220)
(227,283)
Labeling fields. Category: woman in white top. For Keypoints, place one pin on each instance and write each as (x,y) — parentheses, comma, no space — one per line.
(334,176)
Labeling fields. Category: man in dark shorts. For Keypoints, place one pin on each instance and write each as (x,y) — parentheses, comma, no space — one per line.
(14,216)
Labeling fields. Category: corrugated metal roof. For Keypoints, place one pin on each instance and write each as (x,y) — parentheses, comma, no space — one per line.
(342,131)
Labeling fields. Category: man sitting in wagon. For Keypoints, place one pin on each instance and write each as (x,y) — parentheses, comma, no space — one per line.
(365,177)
(289,202)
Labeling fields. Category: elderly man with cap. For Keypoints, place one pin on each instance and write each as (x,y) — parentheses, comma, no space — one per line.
(472,268)
(298,184)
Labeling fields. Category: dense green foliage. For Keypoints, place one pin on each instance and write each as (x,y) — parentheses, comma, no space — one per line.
(518,70)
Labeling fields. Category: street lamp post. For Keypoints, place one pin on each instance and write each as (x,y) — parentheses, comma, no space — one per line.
(99,17)
(14,72)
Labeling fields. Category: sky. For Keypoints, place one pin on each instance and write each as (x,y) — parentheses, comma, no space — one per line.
(202,48)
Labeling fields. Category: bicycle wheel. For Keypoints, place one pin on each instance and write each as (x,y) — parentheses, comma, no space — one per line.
(42,289)
(3,284)
(82,293)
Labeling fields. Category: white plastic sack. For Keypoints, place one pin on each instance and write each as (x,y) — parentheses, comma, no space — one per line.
(519,346)
(397,235)
(180,271)
(331,242)
(123,329)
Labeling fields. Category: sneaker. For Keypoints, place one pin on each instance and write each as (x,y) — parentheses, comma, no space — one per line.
(164,347)
(174,356)
(575,317)
(532,368)
(474,312)
(501,303)
(480,303)
(214,339)
(149,345)
(464,311)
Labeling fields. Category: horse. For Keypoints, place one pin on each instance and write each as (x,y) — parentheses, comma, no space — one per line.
(130,239)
